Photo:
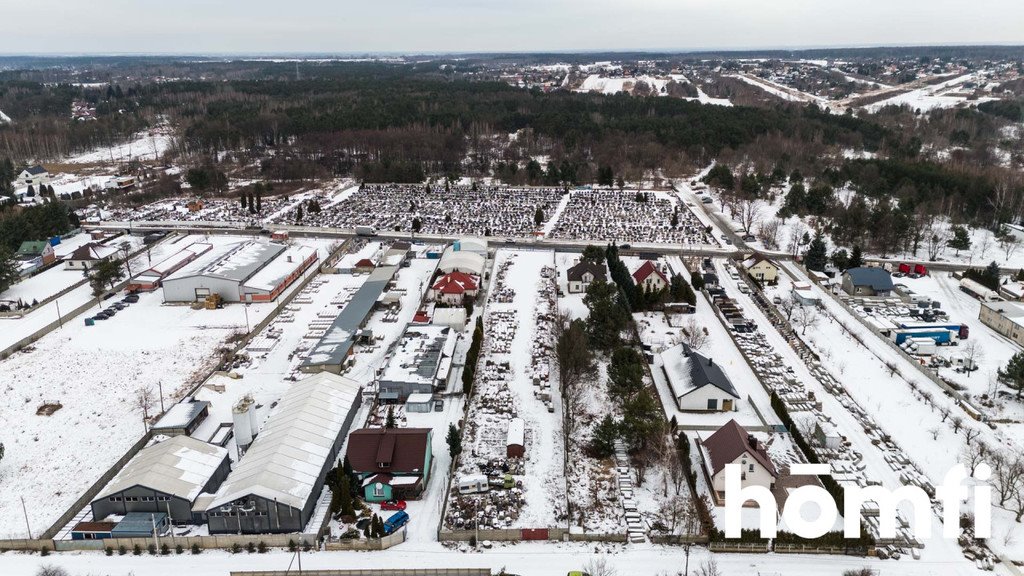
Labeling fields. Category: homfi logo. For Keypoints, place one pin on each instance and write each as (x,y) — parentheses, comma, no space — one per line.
(950,494)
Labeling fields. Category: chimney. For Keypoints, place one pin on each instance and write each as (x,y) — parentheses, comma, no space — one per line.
(711,362)
(752,441)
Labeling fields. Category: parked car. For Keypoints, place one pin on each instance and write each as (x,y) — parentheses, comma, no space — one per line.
(439,405)
(131,298)
(101,316)
(393,505)
(396,521)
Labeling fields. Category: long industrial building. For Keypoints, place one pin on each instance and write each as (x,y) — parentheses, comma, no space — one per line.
(332,350)
(253,271)
(168,477)
(276,483)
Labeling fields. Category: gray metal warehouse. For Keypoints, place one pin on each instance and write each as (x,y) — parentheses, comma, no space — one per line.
(167,477)
(243,273)
(275,486)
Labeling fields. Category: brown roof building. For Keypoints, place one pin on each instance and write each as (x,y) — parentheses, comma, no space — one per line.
(392,463)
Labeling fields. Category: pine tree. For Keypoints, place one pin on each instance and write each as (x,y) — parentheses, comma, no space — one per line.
(8,268)
(298,213)
(417,224)
(1013,375)
(602,444)
(538,216)
(259,202)
(241,200)
(856,257)
(815,257)
(961,240)
(454,440)
(346,498)
(841,260)
(390,422)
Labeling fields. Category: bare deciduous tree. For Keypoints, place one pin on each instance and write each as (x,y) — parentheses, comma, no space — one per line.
(972,354)
(599,566)
(768,233)
(143,400)
(806,317)
(709,568)
(694,335)
(786,305)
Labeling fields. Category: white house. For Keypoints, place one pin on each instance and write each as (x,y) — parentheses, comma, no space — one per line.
(583,274)
(731,444)
(88,255)
(33,176)
(648,276)
(698,384)
(762,269)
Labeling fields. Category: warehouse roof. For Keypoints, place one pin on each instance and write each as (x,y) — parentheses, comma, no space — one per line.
(420,354)
(285,460)
(237,264)
(181,415)
(180,466)
(335,344)
(876,278)
(461,260)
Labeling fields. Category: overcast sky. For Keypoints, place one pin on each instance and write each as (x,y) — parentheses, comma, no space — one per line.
(274,26)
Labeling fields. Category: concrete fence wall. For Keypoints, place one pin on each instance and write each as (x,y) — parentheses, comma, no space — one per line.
(516,535)
(26,544)
(378,572)
(224,542)
(366,545)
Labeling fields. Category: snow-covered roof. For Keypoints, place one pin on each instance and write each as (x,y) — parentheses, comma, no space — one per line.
(273,274)
(238,264)
(687,371)
(516,432)
(419,355)
(285,461)
(461,260)
(181,415)
(419,398)
(180,466)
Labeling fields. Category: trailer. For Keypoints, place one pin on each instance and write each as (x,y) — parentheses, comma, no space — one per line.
(978,291)
(962,330)
(941,337)
(920,269)
(366,231)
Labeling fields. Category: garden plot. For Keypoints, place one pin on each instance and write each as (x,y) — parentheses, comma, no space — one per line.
(897,410)
(515,380)
(452,210)
(611,215)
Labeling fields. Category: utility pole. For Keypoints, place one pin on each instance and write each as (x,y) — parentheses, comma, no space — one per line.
(60,320)
(160,385)
(25,511)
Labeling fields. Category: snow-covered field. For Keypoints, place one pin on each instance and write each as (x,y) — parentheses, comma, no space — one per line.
(145,146)
(945,94)
(94,373)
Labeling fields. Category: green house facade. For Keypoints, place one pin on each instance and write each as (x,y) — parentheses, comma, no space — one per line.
(391,463)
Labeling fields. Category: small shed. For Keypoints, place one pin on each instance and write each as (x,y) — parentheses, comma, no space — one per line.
(419,402)
(516,440)
(92,530)
(827,435)
(182,418)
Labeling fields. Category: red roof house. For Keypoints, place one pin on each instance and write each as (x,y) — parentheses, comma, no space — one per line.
(453,287)
(648,276)
(732,444)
